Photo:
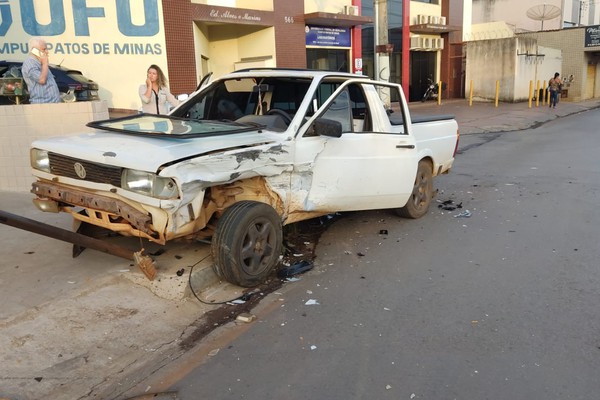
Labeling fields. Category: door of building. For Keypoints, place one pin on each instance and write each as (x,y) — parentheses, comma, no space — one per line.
(590,81)
(422,68)
(328,59)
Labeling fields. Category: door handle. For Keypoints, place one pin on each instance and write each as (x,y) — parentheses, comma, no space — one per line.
(405,146)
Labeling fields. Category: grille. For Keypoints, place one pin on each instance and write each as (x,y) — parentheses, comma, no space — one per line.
(65,166)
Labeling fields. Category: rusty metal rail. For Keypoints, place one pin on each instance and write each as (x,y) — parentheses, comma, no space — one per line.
(64,235)
(145,263)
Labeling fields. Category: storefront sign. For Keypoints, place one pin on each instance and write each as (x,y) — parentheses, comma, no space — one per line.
(592,36)
(234,16)
(136,35)
(327,36)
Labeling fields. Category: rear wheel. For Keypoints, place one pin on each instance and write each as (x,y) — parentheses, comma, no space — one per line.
(247,243)
(422,193)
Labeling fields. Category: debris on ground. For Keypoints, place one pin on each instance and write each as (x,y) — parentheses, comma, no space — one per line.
(464,214)
(245,317)
(312,302)
(449,205)
(145,263)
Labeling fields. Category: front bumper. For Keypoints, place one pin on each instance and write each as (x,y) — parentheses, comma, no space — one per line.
(99,210)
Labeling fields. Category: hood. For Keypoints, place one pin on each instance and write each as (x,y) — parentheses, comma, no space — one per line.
(146,152)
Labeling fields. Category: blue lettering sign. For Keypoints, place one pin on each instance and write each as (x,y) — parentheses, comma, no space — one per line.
(126,26)
(327,36)
(81,14)
(57,19)
(5,17)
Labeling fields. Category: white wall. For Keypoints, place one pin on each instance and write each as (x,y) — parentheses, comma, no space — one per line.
(514,12)
(21,125)
(94,45)
(513,62)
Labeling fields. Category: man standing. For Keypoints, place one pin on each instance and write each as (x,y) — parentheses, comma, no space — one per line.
(36,72)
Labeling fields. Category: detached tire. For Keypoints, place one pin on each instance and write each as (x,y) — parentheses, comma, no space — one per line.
(420,198)
(247,243)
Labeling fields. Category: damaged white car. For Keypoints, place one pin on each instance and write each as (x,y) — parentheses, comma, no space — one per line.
(243,156)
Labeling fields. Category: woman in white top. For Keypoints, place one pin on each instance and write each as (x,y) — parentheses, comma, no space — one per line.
(155,94)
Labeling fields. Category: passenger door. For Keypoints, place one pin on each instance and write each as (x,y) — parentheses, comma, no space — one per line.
(368,167)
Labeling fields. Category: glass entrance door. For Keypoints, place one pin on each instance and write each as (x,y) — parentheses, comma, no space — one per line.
(328,59)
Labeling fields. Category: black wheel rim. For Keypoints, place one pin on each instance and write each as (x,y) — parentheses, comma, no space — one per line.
(420,194)
(258,246)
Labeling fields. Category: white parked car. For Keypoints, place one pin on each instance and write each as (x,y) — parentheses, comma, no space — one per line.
(244,155)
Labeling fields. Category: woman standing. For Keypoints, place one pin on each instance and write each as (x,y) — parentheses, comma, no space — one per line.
(555,85)
(155,94)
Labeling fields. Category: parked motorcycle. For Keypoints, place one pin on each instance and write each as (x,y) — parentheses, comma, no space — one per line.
(432,90)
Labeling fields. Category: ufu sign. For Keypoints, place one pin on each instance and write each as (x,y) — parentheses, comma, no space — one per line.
(592,36)
(81,17)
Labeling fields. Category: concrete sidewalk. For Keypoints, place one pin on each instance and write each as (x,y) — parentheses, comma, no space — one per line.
(485,117)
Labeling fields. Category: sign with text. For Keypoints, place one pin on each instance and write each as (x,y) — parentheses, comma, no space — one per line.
(327,36)
(592,36)
(111,42)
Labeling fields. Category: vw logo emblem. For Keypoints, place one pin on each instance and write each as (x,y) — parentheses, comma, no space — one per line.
(79,170)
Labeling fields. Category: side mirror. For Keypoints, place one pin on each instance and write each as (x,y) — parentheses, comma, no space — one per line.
(327,127)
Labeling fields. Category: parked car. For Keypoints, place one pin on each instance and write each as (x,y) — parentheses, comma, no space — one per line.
(250,152)
(68,80)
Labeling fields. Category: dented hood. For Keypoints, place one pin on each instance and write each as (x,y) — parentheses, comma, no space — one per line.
(148,153)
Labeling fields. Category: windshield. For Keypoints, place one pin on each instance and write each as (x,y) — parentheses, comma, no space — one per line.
(168,126)
(225,107)
(233,99)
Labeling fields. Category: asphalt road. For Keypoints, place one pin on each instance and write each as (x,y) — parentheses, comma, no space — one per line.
(499,305)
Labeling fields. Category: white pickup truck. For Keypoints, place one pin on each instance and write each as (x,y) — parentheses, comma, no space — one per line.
(245,155)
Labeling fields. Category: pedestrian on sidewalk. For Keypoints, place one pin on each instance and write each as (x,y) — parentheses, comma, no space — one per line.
(36,73)
(155,93)
(555,86)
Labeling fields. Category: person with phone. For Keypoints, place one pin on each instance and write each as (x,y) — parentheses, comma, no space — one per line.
(36,72)
(155,93)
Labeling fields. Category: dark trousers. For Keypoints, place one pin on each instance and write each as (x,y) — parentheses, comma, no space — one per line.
(554,98)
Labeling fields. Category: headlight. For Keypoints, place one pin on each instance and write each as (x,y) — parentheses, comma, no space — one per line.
(149,184)
(39,160)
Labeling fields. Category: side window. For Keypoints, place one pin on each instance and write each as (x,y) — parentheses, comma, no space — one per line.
(360,111)
(340,110)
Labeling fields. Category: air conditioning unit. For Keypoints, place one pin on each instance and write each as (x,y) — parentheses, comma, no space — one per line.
(422,19)
(439,43)
(351,10)
(416,43)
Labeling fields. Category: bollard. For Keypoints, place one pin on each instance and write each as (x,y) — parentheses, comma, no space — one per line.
(497,92)
(543,93)
(471,93)
(537,94)
(530,92)
(439,93)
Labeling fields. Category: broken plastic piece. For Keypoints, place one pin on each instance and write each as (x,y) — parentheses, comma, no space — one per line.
(180,271)
(295,269)
(464,214)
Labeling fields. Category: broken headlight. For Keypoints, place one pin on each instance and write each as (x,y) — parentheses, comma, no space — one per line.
(39,160)
(149,184)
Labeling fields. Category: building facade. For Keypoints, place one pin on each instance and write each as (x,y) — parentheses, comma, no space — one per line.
(115,42)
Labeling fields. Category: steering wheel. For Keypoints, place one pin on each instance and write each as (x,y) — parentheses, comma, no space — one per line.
(276,111)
